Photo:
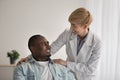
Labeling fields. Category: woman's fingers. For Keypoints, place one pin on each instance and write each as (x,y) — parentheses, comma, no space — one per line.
(22,60)
(60,61)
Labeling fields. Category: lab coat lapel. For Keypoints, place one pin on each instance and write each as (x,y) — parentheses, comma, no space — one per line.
(73,44)
(86,46)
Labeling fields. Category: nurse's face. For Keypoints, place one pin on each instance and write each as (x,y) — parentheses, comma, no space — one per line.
(77,28)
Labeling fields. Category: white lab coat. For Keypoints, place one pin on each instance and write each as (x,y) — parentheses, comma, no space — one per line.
(84,64)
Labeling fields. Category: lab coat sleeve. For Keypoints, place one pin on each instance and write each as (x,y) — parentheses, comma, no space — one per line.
(90,66)
(60,41)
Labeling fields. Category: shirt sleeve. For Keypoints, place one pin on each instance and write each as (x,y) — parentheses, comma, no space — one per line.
(18,73)
(71,75)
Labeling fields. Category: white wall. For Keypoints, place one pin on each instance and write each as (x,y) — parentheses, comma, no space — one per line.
(6,72)
(20,19)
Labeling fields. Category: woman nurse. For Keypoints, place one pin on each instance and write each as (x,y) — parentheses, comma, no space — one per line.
(82,45)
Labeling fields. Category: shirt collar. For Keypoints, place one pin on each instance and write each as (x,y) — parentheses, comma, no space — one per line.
(85,38)
(31,59)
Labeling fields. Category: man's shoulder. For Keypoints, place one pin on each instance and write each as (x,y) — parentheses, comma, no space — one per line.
(23,66)
(31,63)
(62,68)
(65,72)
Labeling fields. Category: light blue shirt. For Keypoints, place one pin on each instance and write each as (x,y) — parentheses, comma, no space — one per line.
(31,70)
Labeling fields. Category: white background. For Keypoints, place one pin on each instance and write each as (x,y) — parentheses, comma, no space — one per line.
(20,19)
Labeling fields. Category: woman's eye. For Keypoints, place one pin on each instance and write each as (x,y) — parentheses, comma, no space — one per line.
(73,24)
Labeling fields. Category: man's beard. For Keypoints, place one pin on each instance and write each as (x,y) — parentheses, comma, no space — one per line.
(42,58)
(47,58)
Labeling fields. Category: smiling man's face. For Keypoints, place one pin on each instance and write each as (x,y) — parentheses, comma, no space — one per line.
(41,49)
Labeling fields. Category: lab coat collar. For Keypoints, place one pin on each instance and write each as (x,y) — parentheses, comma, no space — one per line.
(85,47)
(73,44)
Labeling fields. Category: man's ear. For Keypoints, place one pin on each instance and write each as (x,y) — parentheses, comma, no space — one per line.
(32,49)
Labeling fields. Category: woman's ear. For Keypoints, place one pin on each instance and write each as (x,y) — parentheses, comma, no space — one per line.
(85,26)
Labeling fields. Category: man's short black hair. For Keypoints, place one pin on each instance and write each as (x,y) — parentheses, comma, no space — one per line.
(33,39)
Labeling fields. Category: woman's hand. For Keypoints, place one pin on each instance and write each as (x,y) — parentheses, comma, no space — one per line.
(22,60)
(60,61)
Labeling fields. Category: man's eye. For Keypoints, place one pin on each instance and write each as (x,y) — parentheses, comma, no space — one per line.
(42,44)
(47,42)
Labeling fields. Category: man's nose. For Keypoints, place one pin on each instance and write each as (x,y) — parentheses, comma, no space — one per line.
(48,46)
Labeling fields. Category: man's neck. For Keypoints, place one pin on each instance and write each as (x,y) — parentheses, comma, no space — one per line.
(41,59)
